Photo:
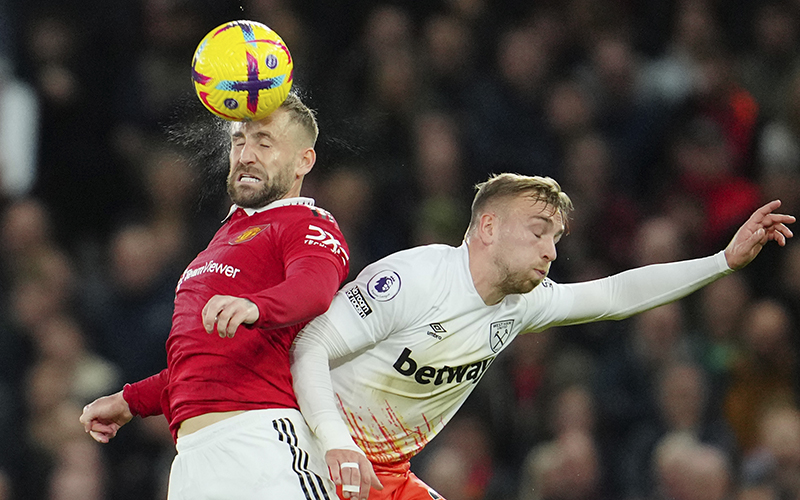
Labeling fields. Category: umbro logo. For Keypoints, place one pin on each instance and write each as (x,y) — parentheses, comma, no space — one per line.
(437,330)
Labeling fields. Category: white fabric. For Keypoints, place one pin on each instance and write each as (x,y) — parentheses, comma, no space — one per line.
(410,338)
(283,202)
(255,455)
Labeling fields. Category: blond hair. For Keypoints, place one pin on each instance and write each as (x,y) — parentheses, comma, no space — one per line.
(509,185)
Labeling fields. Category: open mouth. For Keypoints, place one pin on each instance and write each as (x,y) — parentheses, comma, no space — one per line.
(246,178)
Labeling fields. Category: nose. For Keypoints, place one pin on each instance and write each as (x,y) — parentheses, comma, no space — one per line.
(549,252)
(247,154)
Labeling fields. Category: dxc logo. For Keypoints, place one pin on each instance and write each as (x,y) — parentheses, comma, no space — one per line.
(319,236)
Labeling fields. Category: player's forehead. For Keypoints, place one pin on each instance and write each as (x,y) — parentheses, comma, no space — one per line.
(270,125)
(530,207)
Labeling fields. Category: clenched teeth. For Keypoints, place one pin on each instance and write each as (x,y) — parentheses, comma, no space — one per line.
(248,178)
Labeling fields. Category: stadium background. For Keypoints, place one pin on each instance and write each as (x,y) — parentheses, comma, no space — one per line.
(667,122)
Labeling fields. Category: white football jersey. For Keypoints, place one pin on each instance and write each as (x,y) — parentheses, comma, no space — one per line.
(417,337)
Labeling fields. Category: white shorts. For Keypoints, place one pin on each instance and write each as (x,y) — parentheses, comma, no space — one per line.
(259,454)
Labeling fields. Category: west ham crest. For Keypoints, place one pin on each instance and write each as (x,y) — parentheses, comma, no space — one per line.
(499,331)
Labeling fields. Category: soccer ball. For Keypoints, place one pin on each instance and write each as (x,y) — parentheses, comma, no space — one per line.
(242,71)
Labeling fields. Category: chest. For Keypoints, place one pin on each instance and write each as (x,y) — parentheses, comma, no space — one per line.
(452,345)
(239,253)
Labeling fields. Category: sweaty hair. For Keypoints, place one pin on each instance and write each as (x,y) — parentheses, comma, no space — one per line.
(302,115)
(512,185)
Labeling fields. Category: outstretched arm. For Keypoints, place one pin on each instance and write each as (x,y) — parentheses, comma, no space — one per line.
(637,290)
(761,227)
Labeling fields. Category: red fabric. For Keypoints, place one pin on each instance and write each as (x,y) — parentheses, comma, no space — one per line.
(144,397)
(290,261)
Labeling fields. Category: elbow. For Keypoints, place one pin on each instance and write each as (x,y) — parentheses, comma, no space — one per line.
(319,304)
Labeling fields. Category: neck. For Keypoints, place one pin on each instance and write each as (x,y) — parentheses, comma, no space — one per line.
(484,278)
(294,191)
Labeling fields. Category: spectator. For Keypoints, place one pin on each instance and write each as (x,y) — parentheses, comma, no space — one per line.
(767,372)
(773,50)
(683,407)
(688,470)
(775,461)
(137,288)
(567,468)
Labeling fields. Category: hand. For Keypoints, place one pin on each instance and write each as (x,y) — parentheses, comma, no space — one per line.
(355,482)
(228,313)
(761,227)
(104,416)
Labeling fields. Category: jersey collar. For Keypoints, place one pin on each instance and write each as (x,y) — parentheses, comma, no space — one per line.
(285,202)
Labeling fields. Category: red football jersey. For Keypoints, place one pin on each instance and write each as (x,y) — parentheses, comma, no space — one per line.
(289,259)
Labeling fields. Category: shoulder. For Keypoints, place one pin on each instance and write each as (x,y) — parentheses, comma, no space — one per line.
(414,271)
(303,212)
(417,260)
(305,221)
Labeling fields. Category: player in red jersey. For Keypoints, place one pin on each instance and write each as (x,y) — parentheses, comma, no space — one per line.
(275,263)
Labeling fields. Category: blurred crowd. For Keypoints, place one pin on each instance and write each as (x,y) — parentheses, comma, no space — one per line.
(668,122)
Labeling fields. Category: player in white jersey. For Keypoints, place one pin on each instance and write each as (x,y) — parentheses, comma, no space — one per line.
(402,347)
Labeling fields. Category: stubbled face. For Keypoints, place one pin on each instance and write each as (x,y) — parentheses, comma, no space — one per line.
(264,160)
(528,231)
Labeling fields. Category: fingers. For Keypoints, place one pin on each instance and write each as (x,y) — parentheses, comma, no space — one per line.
(334,470)
(227,314)
(89,417)
(357,478)
(768,208)
(369,480)
(102,433)
(353,472)
(351,479)
(765,222)
(99,437)
(226,323)
(765,211)
(85,418)
(781,233)
(209,314)
(219,313)
(374,481)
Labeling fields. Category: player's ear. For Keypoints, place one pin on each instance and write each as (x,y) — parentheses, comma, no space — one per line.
(307,161)
(487,227)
